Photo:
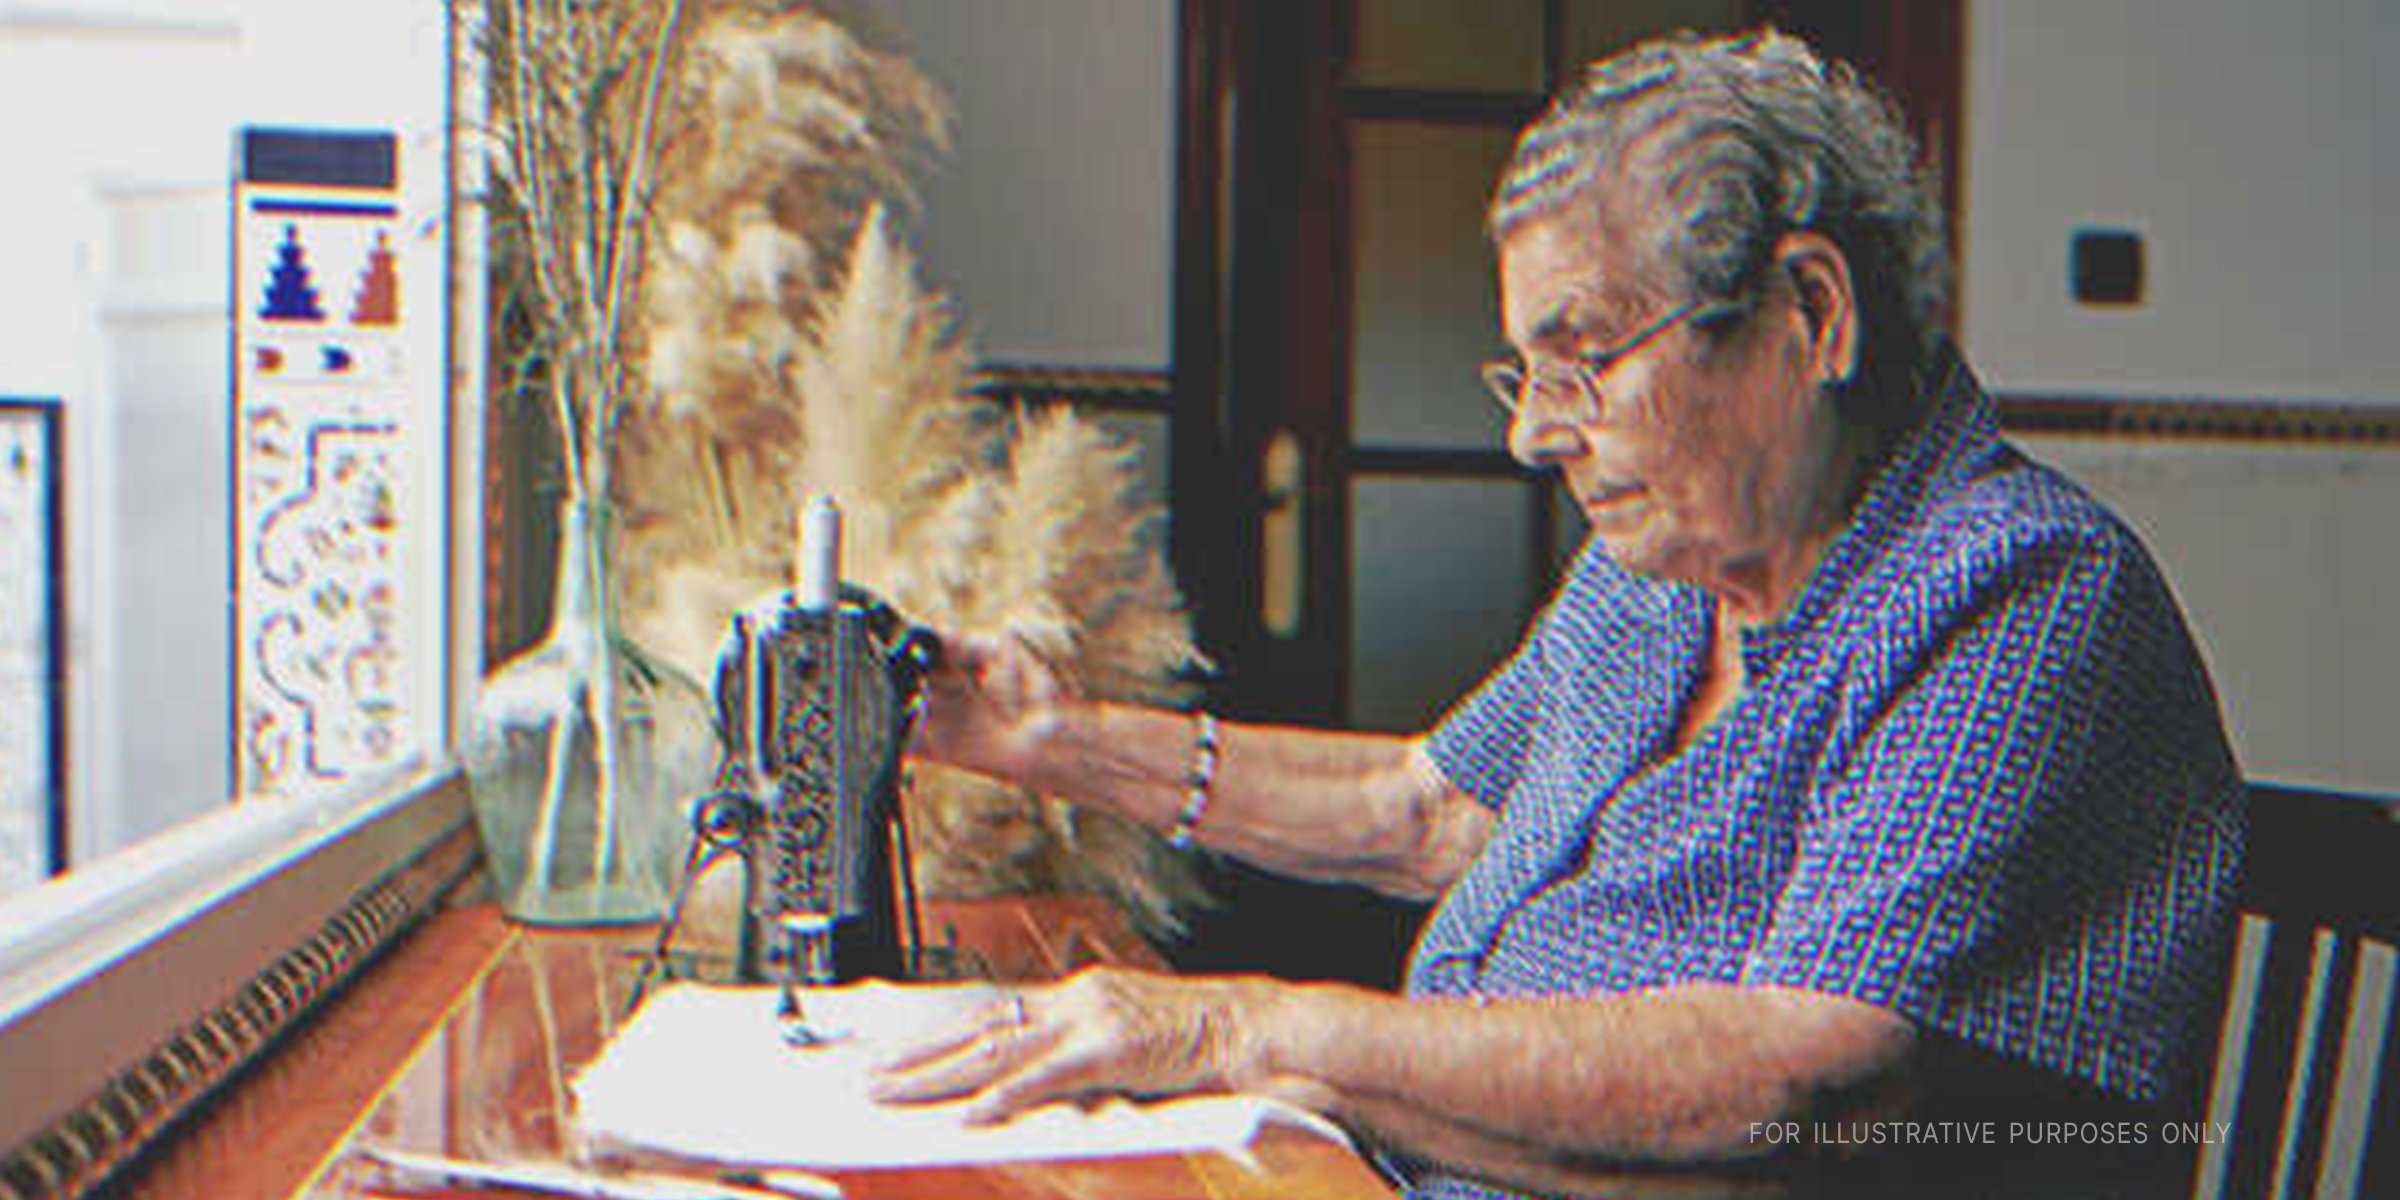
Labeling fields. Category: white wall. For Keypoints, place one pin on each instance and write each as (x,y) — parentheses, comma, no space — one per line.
(1052,222)
(2250,145)
(146,516)
(115,234)
(2283,561)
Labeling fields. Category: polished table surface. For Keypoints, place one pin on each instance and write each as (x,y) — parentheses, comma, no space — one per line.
(462,1042)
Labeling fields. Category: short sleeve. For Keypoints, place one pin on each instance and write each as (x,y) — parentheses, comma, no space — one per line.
(1602,652)
(2030,839)
(1480,744)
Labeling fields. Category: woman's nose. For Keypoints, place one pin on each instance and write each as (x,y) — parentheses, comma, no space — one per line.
(1537,439)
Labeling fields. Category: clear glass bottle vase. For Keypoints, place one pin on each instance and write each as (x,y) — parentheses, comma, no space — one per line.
(579,762)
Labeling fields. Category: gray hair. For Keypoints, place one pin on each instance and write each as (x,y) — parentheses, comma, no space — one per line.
(1747,138)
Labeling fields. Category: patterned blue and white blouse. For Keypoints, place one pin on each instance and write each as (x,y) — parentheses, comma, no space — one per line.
(1977,777)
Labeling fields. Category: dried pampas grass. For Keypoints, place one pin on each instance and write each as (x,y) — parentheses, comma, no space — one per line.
(789,348)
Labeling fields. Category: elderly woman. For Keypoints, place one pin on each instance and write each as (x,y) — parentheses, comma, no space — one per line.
(1856,755)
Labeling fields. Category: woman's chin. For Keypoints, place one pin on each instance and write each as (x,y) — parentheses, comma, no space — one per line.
(1649,553)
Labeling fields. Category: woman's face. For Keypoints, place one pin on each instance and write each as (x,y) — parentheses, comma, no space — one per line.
(1703,455)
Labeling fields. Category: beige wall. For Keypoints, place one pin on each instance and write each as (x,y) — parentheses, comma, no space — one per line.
(1051,224)
(2249,145)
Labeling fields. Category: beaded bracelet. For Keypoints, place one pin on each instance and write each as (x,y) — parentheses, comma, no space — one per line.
(1197,785)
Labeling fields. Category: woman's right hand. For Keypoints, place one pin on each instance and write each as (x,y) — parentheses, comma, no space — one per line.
(989,703)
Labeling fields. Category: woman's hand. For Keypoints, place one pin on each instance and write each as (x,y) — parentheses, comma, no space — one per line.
(988,703)
(1104,1031)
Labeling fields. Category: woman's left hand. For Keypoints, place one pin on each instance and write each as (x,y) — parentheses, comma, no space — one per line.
(1103,1031)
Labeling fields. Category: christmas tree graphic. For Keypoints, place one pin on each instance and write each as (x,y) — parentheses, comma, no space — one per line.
(289,296)
(378,288)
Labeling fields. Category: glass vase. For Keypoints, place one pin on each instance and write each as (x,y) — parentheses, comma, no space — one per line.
(582,759)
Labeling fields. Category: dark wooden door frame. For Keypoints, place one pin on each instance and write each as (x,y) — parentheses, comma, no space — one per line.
(1259,261)
(1914,49)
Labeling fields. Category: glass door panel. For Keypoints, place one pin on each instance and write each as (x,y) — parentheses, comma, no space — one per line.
(1442,582)
(1427,306)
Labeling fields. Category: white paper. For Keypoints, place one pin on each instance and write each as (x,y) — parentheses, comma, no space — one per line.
(704,1072)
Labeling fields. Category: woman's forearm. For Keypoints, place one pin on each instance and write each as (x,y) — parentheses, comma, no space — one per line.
(1468,1150)
(1359,808)
(1544,1092)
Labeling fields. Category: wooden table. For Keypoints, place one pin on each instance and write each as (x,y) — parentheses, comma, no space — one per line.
(461,1043)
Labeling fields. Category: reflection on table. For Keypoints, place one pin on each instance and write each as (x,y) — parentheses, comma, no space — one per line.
(464,1042)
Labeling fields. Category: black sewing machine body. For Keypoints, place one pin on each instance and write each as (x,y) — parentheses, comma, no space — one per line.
(813,709)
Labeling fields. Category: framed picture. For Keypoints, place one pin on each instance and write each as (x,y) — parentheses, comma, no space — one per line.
(33,833)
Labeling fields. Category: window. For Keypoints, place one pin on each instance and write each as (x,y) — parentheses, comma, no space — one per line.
(237,507)
(233,307)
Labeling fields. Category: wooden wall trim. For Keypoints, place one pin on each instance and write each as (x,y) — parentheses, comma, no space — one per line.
(1128,388)
(2264,422)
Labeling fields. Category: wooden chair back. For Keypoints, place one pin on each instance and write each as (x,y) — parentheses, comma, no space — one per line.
(2322,885)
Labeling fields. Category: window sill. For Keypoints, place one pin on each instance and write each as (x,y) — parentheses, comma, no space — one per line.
(135,987)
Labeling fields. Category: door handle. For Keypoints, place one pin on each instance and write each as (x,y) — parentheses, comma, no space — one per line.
(1283,567)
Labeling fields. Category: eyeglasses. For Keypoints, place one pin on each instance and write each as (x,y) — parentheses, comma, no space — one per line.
(1514,385)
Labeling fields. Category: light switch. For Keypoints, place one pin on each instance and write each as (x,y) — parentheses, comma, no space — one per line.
(2106,266)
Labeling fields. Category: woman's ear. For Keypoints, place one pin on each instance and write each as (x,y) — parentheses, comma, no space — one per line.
(1820,275)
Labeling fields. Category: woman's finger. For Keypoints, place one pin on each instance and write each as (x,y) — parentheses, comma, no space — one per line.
(917,1054)
(964,1072)
(1007,1011)
(993,1055)
(1076,1070)
(1114,1048)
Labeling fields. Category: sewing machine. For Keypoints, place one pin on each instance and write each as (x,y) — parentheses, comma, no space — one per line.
(815,692)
